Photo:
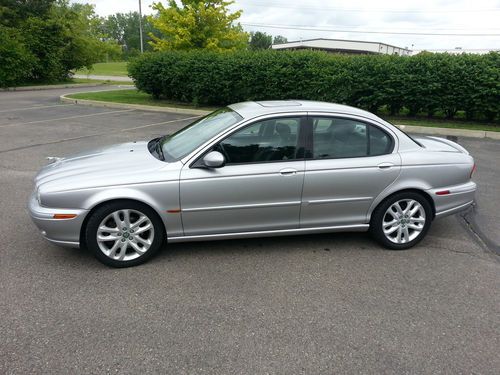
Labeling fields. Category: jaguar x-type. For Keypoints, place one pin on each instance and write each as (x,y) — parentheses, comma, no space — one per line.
(249,170)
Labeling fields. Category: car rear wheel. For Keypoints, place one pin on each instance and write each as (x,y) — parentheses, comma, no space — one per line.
(124,233)
(401,221)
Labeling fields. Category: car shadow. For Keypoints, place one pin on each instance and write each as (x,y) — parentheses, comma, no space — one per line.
(280,244)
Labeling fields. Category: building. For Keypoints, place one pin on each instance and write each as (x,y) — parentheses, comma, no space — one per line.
(458,50)
(343,46)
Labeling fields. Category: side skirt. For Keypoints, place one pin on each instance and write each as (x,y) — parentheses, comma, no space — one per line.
(271,233)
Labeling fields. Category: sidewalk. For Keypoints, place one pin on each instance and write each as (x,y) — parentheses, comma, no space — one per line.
(103,78)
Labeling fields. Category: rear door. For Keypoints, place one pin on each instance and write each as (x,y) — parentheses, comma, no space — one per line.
(352,162)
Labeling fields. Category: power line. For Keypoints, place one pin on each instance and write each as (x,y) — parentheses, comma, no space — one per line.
(408,29)
(323,28)
(271,4)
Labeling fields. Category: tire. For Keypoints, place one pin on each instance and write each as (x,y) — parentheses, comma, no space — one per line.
(393,225)
(137,238)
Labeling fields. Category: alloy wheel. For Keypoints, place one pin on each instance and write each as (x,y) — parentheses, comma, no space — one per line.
(125,235)
(403,221)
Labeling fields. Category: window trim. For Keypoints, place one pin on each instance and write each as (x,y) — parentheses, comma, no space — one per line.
(310,133)
(301,139)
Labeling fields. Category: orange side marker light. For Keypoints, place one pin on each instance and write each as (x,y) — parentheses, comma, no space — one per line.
(64,216)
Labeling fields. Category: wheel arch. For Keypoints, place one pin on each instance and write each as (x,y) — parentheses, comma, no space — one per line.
(421,192)
(99,204)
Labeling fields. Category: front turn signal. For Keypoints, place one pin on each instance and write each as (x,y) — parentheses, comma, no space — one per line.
(64,216)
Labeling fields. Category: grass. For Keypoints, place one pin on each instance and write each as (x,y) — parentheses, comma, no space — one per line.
(437,123)
(134,96)
(106,69)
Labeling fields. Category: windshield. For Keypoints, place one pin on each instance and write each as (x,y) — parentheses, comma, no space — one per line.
(186,140)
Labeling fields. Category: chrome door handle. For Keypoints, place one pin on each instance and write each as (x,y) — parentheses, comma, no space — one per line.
(288,172)
(385,165)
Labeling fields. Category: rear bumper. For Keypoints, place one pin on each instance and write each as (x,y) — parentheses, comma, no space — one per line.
(459,198)
(64,232)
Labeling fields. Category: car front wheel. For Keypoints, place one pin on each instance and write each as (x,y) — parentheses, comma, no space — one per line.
(124,233)
(401,221)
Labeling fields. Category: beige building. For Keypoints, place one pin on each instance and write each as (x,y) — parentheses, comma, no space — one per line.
(457,51)
(344,46)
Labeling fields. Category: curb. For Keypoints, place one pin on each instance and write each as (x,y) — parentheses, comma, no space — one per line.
(53,87)
(448,131)
(151,108)
(408,128)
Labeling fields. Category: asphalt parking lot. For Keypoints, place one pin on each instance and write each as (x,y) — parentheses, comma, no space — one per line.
(333,303)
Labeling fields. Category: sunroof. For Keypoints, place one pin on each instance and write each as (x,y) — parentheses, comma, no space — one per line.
(279,103)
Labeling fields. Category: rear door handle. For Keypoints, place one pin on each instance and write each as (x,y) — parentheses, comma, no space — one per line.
(385,165)
(288,172)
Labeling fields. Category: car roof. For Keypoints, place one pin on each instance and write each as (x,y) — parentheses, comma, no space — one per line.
(259,108)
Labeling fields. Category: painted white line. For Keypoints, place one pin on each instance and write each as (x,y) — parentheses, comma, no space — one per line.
(95,135)
(33,108)
(65,118)
(159,123)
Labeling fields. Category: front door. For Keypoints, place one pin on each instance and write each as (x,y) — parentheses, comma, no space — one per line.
(258,189)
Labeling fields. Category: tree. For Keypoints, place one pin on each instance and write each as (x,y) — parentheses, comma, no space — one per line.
(13,12)
(279,39)
(50,38)
(16,61)
(260,40)
(197,24)
(124,29)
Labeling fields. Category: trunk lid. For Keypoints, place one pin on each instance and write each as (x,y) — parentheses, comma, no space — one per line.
(440,144)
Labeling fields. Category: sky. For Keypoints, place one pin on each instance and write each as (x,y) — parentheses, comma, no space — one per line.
(362,20)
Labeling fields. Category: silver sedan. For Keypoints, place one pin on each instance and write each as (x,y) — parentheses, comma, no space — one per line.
(253,169)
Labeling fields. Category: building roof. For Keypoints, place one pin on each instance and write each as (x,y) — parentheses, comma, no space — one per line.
(343,45)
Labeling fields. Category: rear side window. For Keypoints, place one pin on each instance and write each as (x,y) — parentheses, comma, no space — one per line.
(380,141)
(344,138)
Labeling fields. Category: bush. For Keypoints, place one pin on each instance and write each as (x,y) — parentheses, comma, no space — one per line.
(422,84)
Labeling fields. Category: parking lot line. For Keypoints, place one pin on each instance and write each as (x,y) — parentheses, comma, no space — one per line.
(96,134)
(158,123)
(34,107)
(65,118)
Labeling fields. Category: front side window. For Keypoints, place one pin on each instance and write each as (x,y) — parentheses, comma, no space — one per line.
(264,141)
(343,138)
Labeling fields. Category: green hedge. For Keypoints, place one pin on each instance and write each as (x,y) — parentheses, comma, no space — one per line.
(425,83)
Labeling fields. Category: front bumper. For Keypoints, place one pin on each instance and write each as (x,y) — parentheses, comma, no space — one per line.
(65,232)
(459,198)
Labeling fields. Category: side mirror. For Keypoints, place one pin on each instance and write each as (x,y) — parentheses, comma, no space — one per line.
(214,159)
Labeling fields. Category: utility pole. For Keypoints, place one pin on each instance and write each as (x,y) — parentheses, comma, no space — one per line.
(140,27)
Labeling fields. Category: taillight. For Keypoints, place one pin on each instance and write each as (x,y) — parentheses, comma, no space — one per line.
(443,192)
(473,170)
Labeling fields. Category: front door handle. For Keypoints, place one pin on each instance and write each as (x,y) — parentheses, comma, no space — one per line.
(288,172)
(385,165)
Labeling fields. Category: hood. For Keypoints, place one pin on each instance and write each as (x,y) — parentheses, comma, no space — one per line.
(125,163)
(440,144)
